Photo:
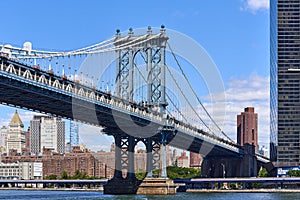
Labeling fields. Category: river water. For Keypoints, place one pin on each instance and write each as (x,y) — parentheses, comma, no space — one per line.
(42,194)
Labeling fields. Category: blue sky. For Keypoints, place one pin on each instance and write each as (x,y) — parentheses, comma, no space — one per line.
(234,32)
(235,36)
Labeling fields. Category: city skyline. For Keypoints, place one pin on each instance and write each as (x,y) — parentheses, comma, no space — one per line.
(242,78)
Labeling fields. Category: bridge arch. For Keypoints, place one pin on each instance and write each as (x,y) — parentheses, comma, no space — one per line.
(140,158)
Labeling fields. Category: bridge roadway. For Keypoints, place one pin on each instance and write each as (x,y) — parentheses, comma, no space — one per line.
(33,89)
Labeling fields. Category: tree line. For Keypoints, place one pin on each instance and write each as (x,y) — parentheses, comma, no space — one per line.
(77,175)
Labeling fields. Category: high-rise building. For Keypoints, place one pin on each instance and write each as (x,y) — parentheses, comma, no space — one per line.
(3,139)
(74,134)
(27,139)
(247,128)
(47,132)
(285,82)
(16,134)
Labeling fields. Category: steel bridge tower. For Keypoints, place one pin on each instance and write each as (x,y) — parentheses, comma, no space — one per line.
(153,53)
(152,49)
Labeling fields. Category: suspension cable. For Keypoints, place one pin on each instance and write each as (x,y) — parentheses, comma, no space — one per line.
(182,94)
(172,102)
(188,101)
(197,95)
(44,54)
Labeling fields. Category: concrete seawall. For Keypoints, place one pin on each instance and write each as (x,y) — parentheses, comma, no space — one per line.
(246,191)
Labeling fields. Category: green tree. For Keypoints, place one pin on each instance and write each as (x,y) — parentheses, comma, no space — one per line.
(51,177)
(294,173)
(263,173)
(64,175)
(140,174)
(79,175)
(179,172)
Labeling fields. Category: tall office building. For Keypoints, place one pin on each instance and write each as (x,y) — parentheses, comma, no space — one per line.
(285,82)
(15,134)
(3,139)
(74,134)
(47,132)
(27,139)
(247,128)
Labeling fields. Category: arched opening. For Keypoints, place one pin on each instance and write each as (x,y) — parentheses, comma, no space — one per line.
(140,160)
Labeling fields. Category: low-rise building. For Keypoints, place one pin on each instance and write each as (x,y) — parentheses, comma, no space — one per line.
(21,170)
(183,160)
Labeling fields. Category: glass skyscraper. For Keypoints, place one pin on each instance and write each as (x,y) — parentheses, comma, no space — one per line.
(285,82)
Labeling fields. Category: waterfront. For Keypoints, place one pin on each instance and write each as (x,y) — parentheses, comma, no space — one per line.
(56,195)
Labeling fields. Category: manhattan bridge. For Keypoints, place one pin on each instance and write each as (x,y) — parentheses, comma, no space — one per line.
(126,86)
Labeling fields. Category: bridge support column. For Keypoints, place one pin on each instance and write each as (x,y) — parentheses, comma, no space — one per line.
(130,171)
(221,167)
(118,166)
(124,160)
(149,148)
(165,133)
(163,161)
(249,164)
(160,185)
(231,166)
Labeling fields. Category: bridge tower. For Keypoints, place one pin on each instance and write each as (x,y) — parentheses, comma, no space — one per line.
(151,50)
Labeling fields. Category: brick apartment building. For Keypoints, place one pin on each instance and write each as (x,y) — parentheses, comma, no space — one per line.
(247,128)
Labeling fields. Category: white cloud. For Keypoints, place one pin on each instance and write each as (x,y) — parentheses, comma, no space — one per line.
(93,138)
(255,5)
(6,114)
(241,93)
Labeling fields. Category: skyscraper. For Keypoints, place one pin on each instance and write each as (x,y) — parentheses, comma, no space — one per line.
(285,82)
(74,134)
(16,134)
(247,128)
(48,132)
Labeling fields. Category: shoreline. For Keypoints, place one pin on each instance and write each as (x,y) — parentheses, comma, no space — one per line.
(244,191)
(57,189)
(187,191)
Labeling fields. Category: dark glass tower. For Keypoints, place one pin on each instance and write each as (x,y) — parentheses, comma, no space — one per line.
(285,82)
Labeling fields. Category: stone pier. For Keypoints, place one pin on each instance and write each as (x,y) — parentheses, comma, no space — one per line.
(157,186)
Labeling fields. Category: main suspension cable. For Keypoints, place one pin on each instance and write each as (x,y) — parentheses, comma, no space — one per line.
(188,101)
(197,95)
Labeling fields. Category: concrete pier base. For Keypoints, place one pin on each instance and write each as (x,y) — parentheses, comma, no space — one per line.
(123,186)
(157,186)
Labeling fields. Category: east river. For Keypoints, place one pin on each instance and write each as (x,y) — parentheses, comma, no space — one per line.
(43,194)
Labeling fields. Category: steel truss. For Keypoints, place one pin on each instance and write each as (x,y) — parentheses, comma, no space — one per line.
(153,57)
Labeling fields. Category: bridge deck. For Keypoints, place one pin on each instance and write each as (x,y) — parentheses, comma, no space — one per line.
(37,90)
